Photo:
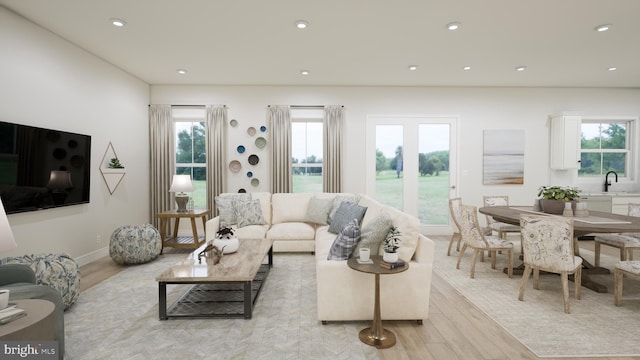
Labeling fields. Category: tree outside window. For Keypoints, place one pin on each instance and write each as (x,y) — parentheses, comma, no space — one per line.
(604,147)
(191,158)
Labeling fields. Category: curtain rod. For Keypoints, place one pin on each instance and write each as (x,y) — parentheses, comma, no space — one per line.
(188,105)
(307,106)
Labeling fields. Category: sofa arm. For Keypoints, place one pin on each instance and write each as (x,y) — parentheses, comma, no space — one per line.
(424,250)
(212,227)
(16,273)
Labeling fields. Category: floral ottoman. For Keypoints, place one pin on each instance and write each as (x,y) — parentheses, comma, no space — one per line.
(58,271)
(135,244)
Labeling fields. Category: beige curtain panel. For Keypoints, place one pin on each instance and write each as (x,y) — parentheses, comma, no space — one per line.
(162,158)
(216,118)
(279,121)
(333,124)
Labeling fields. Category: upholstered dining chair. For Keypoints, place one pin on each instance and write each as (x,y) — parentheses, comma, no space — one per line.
(501,228)
(474,238)
(454,209)
(626,242)
(548,246)
(622,269)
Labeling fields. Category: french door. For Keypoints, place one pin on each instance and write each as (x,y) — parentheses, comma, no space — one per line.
(411,165)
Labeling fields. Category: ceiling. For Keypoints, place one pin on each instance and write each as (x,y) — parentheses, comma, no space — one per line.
(355,42)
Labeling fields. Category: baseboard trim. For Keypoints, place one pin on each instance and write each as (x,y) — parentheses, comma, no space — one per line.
(92,256)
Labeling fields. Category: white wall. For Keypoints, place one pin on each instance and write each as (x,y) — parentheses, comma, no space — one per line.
(48,82)
(477,108)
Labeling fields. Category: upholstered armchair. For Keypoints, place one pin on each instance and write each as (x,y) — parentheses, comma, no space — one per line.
(626,242)
(474,238)
(547,243)
(21,280)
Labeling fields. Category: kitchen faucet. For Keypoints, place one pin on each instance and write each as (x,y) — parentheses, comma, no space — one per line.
(606,180)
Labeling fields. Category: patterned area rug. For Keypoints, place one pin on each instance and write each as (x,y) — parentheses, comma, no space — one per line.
(595,326)
(118,319)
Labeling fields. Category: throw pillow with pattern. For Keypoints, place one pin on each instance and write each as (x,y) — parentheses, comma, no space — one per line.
(227,207)
(339,199)
(345,214)
(374,233)
(318,211)
(249,213)
(345,242)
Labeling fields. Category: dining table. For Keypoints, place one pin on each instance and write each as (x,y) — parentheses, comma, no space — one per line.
(595,222)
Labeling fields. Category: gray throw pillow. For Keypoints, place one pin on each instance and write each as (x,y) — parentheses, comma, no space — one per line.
(345,242)
(227,207)
(249,213)
(318,211)
(374,233)
(345,214)
(339,199)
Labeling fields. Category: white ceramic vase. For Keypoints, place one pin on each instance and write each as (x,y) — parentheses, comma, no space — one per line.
(228,246)
(390,257)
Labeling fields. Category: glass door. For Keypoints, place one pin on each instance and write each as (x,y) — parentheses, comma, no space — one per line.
(411,166)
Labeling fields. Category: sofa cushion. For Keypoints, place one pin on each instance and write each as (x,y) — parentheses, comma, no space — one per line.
(249,213)
(318,210)
(374,233)
(288,207)
(347,212)
(252,232)
(291,231)
(345,242)
(339,199)
(226,204)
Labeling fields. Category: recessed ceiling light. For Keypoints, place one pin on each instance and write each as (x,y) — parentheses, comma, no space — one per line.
(453,26)
(117,22)
(302,24)
(521,68)
(466,68)
(304,72)
(413,67)
(181,71)
(602,28)
(613,68)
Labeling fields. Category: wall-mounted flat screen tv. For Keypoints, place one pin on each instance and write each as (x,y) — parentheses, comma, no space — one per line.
(42,168)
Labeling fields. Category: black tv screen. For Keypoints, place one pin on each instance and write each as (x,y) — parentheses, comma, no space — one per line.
(42,168)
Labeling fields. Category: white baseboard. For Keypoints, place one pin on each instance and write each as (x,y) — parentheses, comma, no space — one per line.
(92,256)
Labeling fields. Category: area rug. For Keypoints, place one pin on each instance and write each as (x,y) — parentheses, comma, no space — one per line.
(118,319)
(594,328)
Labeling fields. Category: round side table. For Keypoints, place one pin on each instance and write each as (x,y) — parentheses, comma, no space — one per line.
(38,324)
(376,335)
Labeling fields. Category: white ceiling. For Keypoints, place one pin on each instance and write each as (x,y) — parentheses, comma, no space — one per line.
(355,42)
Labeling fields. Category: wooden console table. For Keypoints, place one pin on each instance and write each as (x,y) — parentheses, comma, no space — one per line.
(192,242)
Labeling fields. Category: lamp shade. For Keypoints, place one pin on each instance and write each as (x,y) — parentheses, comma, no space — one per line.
(181,183)
(59,180)
(7,242)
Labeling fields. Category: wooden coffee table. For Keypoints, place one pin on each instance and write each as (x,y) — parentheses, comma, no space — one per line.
(376,335)
(218,289)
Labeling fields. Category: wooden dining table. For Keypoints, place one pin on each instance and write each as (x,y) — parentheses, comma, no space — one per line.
(595,222)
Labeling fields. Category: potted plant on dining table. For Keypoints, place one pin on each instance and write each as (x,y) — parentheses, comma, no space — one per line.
(553,198)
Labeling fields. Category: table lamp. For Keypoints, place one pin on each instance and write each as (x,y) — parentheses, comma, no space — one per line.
(7,242)
(180,185)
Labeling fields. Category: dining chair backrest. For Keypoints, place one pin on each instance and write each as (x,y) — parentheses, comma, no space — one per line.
(498,200)
(547,242)
(633,210)
(469,227)
(454,209)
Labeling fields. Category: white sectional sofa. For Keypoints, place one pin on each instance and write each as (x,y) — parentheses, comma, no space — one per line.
(342,293)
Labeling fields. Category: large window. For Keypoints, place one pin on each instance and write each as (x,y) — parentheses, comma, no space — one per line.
(306,151)
(191,156)
(605,146)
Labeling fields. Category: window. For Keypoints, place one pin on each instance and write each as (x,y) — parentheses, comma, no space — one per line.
(306,150)
(605,146)
(191,152)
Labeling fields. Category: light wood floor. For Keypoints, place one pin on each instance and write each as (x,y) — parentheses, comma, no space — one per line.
(455,329)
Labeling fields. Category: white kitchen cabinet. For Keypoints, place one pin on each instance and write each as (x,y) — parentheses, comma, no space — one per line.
(620,204)
(565,142)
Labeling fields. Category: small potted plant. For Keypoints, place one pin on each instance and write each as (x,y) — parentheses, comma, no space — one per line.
(115,164)
(553,198)
(391,245)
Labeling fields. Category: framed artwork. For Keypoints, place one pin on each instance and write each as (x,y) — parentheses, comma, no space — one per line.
(503,157)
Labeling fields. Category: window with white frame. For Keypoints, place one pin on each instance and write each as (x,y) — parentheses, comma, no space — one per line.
(190,152)
(306,150)
(605,145)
